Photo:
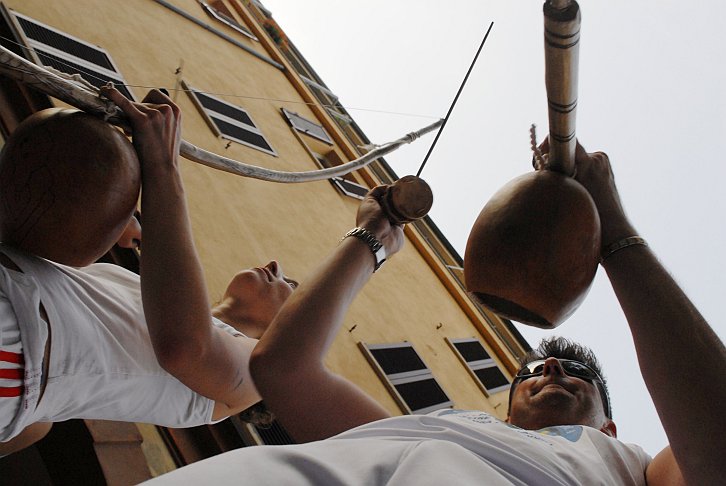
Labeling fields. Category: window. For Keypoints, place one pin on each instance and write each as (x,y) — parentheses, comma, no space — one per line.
(406,376)
(345,184)
(51,47)
(229,121)
(306,126)
(275,434)
(481,366)
(349,188)
(218,11)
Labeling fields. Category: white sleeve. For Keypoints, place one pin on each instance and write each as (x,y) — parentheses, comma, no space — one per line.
(226,328)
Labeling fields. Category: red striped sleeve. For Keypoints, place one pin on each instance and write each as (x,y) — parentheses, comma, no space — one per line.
(13,374)
(11,391)
(9,357)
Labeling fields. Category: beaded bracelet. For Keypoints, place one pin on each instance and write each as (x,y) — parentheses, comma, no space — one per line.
(620,244)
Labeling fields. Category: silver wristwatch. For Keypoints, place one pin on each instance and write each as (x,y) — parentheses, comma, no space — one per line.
(377,248)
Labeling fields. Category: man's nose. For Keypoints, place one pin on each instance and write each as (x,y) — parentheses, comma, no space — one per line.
(131,237)
(275,268)
(552,366)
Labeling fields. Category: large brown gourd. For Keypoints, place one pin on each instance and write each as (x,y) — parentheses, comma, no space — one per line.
(534,249)
(69,184)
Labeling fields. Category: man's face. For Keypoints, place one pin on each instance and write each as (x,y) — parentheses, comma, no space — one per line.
(259,292)
(131,237)
(556,398)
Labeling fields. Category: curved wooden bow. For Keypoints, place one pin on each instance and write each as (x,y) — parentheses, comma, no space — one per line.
(66,90)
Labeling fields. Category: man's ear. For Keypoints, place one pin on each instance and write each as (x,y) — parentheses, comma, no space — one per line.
(610,429)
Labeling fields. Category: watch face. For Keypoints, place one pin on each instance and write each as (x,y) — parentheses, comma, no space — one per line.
(380,257)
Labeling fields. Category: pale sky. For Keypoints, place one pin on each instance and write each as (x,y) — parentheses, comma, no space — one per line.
(650,95)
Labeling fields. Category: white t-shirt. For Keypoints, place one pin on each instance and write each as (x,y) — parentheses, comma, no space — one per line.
(102,364)
(447,447)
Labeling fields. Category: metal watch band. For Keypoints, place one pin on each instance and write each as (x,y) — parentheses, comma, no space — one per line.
(377,248)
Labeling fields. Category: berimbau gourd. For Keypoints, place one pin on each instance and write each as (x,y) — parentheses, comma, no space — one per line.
(534,249)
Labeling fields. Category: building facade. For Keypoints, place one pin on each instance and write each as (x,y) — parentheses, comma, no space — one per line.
(413,339)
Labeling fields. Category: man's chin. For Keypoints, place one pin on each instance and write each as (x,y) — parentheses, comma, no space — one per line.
(541,421)
(554,406)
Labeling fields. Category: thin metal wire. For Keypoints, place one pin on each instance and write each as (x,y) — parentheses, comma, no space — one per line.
(88,74)
(66,90)
(451,108)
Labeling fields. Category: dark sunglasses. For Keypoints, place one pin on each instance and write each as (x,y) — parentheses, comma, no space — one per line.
(571,368)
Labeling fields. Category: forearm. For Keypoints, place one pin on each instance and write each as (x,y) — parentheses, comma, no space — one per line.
(174,295)
(173,290)
(172,282)
(680,357)
(290,354)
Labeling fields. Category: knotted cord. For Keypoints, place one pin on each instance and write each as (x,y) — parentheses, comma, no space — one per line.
(538,160)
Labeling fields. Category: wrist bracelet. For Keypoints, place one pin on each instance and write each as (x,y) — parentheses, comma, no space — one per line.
(620,244)
(376,247)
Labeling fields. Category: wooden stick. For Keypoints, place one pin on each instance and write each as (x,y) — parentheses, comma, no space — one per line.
(562,48)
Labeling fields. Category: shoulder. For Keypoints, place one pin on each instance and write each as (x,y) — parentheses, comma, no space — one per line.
(664,470)
(106,273)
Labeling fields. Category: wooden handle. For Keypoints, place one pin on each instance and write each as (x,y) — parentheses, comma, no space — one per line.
(407,199)
(562,49)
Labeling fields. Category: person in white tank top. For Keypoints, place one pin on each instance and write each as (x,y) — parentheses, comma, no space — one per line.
(559,429)
(98,343)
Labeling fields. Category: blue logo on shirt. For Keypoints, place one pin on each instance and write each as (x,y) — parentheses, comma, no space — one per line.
(569,432)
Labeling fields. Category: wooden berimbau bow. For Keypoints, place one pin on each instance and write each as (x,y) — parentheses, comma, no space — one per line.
(534,249)
(407,199)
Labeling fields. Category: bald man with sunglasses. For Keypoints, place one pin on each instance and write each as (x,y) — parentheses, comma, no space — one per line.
(559,429)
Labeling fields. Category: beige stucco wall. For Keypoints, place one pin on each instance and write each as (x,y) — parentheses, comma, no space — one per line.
(242,222)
